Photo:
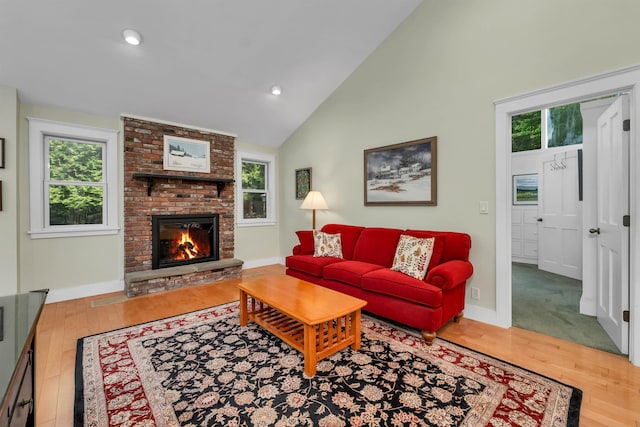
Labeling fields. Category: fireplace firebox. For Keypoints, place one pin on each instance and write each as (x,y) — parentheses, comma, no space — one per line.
(184,239)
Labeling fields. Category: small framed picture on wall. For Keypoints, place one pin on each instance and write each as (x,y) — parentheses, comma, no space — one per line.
(525,189)
(303,182)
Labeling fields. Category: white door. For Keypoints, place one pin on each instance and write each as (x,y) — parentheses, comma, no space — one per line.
(613,237)
(560,239)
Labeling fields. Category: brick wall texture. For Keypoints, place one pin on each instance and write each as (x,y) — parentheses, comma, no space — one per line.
(143,153)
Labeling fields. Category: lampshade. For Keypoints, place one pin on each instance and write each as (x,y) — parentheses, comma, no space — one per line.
(314,200)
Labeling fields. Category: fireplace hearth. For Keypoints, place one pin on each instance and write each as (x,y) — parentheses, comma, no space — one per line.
(184,239)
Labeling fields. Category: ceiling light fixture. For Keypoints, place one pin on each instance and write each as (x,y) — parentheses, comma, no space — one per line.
(276,90)
(132,37)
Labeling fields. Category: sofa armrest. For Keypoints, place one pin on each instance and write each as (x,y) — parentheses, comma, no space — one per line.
(449,274)
(297,250)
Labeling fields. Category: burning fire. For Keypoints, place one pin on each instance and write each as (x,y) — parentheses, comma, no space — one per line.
(187,249)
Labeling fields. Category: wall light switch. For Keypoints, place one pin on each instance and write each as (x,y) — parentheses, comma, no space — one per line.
(484,207)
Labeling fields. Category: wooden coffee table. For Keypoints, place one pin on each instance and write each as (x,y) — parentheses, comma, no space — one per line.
(312,319)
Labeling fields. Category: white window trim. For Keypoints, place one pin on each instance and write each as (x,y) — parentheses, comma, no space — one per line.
(270,160)
(38,129)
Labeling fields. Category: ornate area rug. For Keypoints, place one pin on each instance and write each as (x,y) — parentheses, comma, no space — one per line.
(203,369)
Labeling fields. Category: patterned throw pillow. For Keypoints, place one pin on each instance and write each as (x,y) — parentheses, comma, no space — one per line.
(413,255)
(326,244)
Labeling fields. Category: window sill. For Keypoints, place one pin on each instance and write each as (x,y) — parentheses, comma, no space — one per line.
(73,232)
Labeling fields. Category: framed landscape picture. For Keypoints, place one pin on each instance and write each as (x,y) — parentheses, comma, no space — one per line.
(525,189)
(401,174)
(303,182)
(188,155)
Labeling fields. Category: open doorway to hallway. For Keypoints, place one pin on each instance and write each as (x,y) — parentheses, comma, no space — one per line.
(549,304)
(616,81)
(548,221)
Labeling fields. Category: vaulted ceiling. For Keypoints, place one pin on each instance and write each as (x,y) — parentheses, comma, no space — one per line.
(205,63)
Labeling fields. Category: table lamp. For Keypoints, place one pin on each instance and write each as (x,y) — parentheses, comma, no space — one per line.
(313,201)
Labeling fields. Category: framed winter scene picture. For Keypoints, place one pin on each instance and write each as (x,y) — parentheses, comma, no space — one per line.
(189,155)
(401,174)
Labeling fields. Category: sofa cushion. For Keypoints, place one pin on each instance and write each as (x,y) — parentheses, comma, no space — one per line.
(306,241)
(377,246)
(413,255)
(349,272)
(388,282)
(309,264)
(326,245)
(454,245)
(438,246)
(349,235)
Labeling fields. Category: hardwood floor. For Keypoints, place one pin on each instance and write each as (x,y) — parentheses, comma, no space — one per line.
(610,384)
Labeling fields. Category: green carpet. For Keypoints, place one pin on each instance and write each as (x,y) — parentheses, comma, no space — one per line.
(549,303)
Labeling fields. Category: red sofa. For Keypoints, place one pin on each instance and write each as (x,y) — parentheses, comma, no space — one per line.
(364,272)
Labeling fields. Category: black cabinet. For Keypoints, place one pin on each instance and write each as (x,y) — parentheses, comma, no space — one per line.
(19,316)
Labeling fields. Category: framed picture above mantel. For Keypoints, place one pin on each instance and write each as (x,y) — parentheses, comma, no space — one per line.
(188,155)
(401,174)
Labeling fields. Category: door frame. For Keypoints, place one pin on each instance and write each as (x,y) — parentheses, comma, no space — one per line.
(623,80)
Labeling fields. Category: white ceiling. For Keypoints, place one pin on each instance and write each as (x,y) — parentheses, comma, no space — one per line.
(205,63)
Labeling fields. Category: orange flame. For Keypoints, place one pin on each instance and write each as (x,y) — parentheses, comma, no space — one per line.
(187,249)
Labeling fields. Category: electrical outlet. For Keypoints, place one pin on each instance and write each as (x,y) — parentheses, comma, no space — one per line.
(475,293)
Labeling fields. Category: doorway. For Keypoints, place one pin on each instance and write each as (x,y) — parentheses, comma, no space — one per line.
(547,222)
(626,80)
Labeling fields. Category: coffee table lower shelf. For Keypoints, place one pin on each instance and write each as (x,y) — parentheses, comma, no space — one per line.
(314,341)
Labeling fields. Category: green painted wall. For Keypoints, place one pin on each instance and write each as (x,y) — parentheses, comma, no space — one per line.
(68,262)
(9,178)
(258,244)
(438,75)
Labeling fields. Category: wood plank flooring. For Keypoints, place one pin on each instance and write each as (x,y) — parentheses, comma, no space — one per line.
(610,384)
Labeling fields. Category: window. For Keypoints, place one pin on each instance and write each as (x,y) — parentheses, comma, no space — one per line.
(255,193)
(526,131)
(73,180)
(562,126)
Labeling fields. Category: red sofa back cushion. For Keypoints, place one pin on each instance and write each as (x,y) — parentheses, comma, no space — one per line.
(377,246)
(306,242)
(456,245)
(348,235)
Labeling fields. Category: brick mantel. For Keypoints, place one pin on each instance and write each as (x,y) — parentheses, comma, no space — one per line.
(197,193)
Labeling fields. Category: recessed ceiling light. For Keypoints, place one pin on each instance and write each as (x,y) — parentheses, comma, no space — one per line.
(132,37)
(276,90)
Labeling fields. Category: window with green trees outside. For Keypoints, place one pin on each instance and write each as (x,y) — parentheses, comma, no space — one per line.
(562,126)
(76,181)
(254,190)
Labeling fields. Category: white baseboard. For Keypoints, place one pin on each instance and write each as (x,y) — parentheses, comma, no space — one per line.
(262,262)
(57,295)
(524,260)
(482,314)
(588,306)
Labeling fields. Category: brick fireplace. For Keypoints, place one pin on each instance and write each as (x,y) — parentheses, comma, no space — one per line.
(150,191)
